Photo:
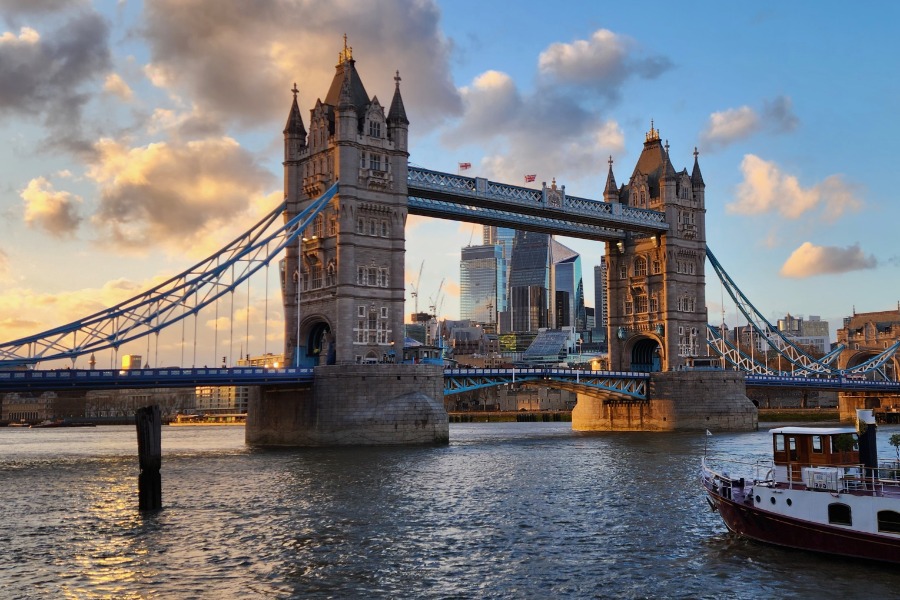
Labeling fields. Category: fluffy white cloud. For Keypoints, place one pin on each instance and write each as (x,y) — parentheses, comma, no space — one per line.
(766,189)
(809,260)
(177,195)
(238,61)
(734,124)
(116,86)
(602,63)
(55,212)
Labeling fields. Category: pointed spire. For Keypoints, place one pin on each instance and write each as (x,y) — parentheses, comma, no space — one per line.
(668,169)
(611,187)
(294,125)
(696,177)
(397,113)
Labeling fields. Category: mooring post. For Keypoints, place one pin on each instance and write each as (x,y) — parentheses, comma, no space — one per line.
(149,426)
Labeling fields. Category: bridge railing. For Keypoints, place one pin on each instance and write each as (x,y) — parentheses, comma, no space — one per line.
(449,185)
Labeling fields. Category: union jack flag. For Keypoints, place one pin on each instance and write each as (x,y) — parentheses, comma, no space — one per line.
(530,178)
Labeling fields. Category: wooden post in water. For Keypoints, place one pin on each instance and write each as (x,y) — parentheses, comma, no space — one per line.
(149,426)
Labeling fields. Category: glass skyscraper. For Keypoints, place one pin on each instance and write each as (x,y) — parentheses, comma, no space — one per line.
(482,275)
(568,288)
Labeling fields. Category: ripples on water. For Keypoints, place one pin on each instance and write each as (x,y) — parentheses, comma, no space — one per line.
(507,510)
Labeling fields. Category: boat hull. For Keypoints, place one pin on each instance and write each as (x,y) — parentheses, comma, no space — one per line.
(749,521)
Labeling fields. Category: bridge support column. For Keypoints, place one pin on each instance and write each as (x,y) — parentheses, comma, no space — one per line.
(677,401)
(355,405)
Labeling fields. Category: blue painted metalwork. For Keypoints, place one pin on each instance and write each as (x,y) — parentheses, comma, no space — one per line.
(28,380)
(621,384)
(171,301)
(549,210)
(800,361)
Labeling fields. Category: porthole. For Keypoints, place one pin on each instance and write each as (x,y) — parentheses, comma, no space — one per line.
(758,500)
(772,499)
(789,503)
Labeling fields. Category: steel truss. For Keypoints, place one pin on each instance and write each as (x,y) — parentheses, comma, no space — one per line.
(479,194)
(170,302)
(802,363)
(633,385)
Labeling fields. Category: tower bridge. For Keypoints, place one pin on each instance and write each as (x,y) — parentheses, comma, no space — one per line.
(348,189)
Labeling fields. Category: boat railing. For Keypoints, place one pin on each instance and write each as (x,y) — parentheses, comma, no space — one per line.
(761,470)
(854,478)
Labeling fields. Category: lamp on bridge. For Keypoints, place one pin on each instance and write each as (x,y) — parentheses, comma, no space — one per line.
(621,247)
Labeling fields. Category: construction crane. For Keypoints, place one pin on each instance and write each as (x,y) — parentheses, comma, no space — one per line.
(415,289)
(436,301)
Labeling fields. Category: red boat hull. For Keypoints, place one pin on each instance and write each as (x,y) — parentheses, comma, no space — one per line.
(764,526)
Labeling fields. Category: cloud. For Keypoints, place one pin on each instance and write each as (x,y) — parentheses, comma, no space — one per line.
(767,189)
(44,75)
(4,266)
(602,63)
(178,195)
(238,60)
(11,8)
(809,260)
(735,124)
(55,212)
(116,86)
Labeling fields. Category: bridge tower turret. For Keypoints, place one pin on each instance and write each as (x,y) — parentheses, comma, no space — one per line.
(657,302)
(342,284)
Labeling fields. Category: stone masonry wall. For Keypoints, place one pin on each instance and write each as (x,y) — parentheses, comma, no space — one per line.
(678,400)
(351,405)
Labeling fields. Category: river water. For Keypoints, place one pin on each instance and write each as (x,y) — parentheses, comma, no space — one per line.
(507,510)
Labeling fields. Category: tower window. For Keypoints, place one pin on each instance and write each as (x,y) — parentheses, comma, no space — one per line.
(374,129)
(375,162)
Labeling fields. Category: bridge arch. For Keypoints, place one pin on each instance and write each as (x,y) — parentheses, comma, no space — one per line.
(317,345)
(646,354)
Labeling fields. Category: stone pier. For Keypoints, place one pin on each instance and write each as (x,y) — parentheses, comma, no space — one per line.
(677,400)
(353,405)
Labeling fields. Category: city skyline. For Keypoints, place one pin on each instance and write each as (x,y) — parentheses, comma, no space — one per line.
(142,136)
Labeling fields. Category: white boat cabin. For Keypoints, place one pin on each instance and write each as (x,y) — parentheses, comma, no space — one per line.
(815,456)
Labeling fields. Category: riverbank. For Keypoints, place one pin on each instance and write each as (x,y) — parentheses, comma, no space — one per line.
(522,416)
(812,415)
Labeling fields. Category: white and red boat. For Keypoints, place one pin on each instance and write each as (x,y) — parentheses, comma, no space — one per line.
(823,490)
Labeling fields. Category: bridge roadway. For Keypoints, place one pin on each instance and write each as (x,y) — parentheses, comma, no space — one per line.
(622,384)
(546,210)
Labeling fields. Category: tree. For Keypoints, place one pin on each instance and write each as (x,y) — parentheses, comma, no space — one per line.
(895,442)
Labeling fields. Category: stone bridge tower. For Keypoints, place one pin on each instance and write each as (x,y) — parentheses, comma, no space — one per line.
(657,287)
(343,283)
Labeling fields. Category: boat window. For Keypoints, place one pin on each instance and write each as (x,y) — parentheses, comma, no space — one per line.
(779,443)
(889,521)
(793,442)
(817,444)
(839,514)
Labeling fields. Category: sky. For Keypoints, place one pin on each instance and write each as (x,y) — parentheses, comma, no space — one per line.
(140,137)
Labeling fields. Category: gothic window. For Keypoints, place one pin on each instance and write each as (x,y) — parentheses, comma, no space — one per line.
(623,271)
(362,160)
(317,226)
(374,129)
(332,225)
(360,225)
(643,198)
(361,311)
(375,162)
(330,274)
(384,228)
(383,278)
(640,304)
(373,276)
(360,276)
(372,227)
(304,278)
(654,304)
(657,267)
(372,325)
(629,307)
(316,270)
(640,267)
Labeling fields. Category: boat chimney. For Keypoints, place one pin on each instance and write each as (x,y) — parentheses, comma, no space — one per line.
(865,426)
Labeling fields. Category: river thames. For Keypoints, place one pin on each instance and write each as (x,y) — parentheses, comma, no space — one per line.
(506,510)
